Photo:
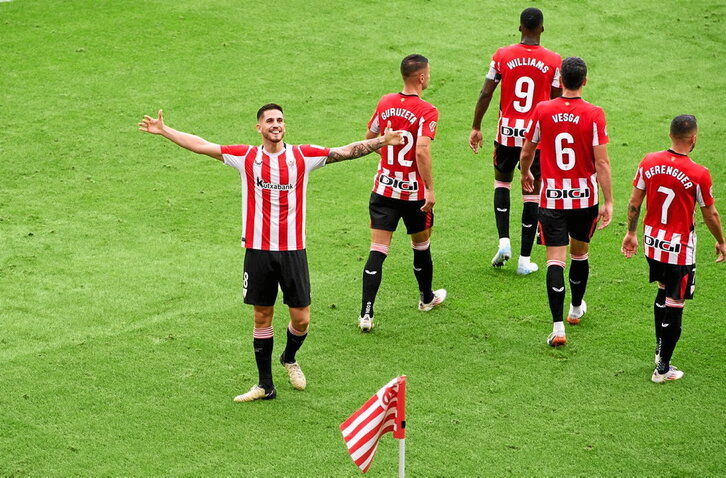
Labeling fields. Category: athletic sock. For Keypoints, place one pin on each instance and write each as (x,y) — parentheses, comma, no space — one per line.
(295,339)
(501,207)
(579,272)
(529,224)
(372,273)
(423,269)
(263,342)
(670,333)
(659,309)
(556,288)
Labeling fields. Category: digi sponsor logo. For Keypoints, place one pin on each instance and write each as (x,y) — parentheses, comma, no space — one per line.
(567,193)
(508,131)
(662,244)
(399,184)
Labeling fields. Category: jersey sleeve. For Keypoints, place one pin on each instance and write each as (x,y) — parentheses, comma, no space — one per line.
(428,123)
(639,179)
(373,123)
(533,128)
(556,78)
(599,128)
(314,156)
(494,72)
(234,155)
(704,190)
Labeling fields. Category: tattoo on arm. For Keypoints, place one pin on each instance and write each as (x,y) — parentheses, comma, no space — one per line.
(633,215)
(354,150)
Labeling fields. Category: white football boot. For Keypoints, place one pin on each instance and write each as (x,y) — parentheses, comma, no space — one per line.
(672,374)
(365,323)
(439,298)
(256,393)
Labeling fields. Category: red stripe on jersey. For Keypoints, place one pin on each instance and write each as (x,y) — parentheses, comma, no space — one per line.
(249,207)
(266,203)
(283,203)
(300,197)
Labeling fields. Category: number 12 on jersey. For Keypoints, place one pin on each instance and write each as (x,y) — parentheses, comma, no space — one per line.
(405,148)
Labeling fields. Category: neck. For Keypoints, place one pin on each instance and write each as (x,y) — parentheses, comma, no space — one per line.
(572,93)
(681,148)
(412,89)
(273,148)
(529,39)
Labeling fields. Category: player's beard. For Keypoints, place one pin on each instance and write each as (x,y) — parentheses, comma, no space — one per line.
(274,138)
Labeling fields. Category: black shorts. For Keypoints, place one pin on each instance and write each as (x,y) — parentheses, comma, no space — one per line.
(506,158)
(386,212)
(680,281)
(556,226)
(265,270)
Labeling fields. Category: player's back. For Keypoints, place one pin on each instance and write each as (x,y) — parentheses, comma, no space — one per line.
(397,175)
(567,129)
(673,184)
(527,74)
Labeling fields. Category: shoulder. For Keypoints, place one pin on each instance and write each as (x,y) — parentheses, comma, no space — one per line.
(309,150)
(552,56)
(236,149)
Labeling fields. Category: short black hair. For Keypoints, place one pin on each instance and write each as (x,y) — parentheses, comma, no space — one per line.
(574,72)
(267,107)
(683,126)
(412,64)
(531,18)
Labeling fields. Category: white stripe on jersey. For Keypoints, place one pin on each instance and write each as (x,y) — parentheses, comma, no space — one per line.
(275,202)
(412,180)
(657,255)
(420,127)
(673,256)
(595,139)
(691,248)
(304,208)
(381,189)
(594,190)
(493,73)
(537,133)
(699,196)
(583,185)
(550,185)
(647,231)
(292,203)
(567,186)
(257,173)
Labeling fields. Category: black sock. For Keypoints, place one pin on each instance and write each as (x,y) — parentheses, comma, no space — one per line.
(579,272)
(423,269)
(556,290)
(263,357)
(529,228)
(501,211)
(659,309)
(294,342)
(372,273)
(670,335)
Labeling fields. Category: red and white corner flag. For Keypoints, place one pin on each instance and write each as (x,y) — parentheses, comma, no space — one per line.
(384,412)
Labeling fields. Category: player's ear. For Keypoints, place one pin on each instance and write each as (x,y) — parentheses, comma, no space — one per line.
(520,28)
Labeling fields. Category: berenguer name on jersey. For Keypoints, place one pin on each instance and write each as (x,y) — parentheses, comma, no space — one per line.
(671,171)
(402,112)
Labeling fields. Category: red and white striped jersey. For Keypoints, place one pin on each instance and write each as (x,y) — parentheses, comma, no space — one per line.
(673,185)
(397,176)
(527,74)
(273,193)
(567,129)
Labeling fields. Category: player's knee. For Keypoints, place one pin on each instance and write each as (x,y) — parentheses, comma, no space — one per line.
(263,316)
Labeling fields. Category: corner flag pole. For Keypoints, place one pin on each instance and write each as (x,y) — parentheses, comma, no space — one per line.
(399,431)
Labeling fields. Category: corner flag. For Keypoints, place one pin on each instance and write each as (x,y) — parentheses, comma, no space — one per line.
(384,412)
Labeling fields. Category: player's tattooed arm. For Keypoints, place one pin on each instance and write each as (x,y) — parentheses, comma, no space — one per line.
(633,215)
(629,246)
(361,148)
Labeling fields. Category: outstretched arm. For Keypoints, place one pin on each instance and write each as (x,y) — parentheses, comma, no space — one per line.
(713,222)
(482,105)
(630,241)
(185,140)
(367,146)
(602,166)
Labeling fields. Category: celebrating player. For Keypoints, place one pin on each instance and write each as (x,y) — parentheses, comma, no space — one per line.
(274,183)
(403,187)
(673,184)
(529,74)
(572,137)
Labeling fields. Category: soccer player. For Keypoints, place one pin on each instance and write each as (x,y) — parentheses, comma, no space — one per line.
(572,137)
(673,184)
(529,74)
(403,187)
(274,182)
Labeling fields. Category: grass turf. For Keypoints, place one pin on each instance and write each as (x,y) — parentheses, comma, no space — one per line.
(122,334)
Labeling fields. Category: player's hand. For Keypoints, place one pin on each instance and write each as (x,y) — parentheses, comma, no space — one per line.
(605,215)
(528,182)
(475,140)
(429,200)
(153,125)
(630,245)
(720,252)
(392,137)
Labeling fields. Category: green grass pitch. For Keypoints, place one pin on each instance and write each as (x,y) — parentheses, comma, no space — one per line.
(123,337)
